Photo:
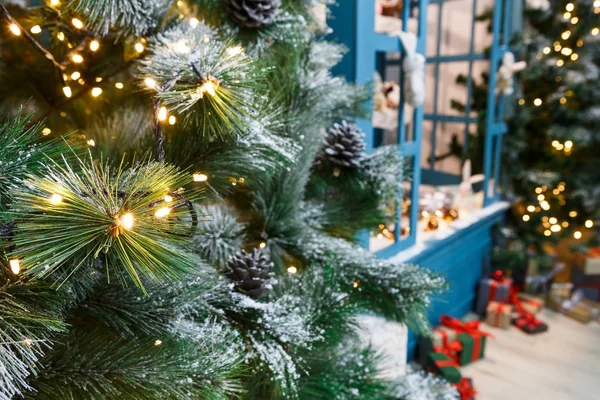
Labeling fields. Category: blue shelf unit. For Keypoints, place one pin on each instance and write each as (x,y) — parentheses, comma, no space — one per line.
(462,257)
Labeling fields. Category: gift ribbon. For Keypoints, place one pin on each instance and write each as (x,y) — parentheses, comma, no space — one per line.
(529,320)
(465,389)
(444,335)
(575,300)
(445,363)
(498,279)
(470,328)
(451,350)
(498,309)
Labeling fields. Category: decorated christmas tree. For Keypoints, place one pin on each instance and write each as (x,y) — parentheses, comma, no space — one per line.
(181,184)
(553,135)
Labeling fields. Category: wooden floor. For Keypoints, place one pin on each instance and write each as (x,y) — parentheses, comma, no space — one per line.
(561,364)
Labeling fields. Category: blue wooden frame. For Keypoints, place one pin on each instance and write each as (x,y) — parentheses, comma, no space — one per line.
(353,24)
(359,66)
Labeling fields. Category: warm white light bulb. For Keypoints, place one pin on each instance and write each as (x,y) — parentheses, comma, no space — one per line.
(77,23)
(162,212)
(577,235)
(162,114)
(67,91)
(198,177)
(60,36)
(75,75)
(234,51)
(36,29)
(151,83)
(589,223)
(157,342)
(525,217)
(537,102)
(292,270)
(570,7)
(172,120)
(54,2)
(209,87)
(14,28)
(194,22)
(139,47)
(77,58)
(96,92)
(168,198)
(94,45)
(56,199)
(127,221)
(15,265)
(119,85)
(46,131)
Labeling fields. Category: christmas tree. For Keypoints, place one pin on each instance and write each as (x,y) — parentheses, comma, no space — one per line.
(551,142)
(181,184)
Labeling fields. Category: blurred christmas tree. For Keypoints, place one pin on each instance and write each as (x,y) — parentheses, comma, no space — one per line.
(552,136)
(175,221)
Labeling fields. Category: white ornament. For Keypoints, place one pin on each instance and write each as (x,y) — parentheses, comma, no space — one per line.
(540,5)
(506,72)
(414,70)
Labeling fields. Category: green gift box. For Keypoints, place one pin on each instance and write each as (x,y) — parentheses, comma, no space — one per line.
(445,366)
(473,347)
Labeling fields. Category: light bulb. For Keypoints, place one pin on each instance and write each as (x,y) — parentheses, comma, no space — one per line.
(91,143)
(77,58)
(355,284)
(595,31)
(568,144)
(208,87)
(77,23)
(119,85)
(525,217)
(60,36)
(531,208)
(15,265)
(589,223)
(555,228)
(36,29)
(162,114)
(570,7)
(198,177)
(537,102)
(96,92)
(67,91)
(172,120)
(94,45)
(262,245)
(547,232)
(157,342)
(54,2)
(560,63)
(139,47)
(194,22)
(168,198)
(56,198)
(577,235)
(292,269)
(14,28)
(162,212)
(151,83)
(572,214)
(553,220)
(234,51)
(126,220)
(46,131)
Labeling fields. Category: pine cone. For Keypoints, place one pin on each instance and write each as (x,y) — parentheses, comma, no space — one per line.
(345,145)
(252,13)
(252,274)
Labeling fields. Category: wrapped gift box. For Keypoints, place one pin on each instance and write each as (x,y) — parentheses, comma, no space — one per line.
(445,366)
(580,312)
(559,292)
(473,347)
(589,263)
(529,324)
(531,304)
(441,337)
(496,288)
(499,314)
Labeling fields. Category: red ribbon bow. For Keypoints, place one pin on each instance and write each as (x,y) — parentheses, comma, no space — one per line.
(470,328)
(529,320)
(465,389)
(450,349)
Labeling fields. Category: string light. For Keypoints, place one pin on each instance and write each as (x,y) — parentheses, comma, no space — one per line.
(157,342)
(94,45)
(36,29)
(77,58)
(46,131)
(537,102)
(198,177)
(355,284)
(565,35)
(162,212)
(151,83)
(545,205)
(572,214)
(28,342)
(56,199)
(577,235)
(541,197)
(521,102)
(525,217)
(566,51)
(563,100)
(557,47)
(162,114)
(597,3)
(589,223)
(75,75)
(91,143)
(15,265)
(553,220)
(119,85)
(234,51)
(595,31)
(560,63)
(570,7)
(67,91)
(55,2)
(96,92)
(194,22)
(531,208)
(292,270)
(168,198)
(126,221)
(579,43)
(172,120)
(565,224)
(574,20)
(139,47)
(98,79)
(567,15)
(555,228)
(15,29)
(77,23)
(547,232)
(262,245)
(546,50)
(568,144)
(208,87)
